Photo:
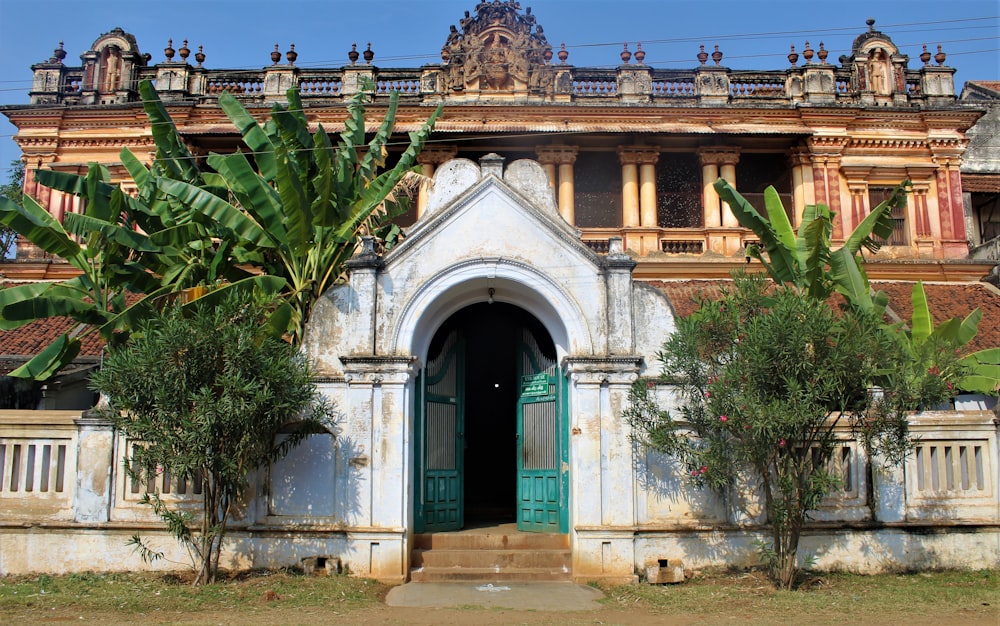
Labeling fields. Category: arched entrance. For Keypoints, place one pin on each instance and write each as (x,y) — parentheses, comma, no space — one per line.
(490,429)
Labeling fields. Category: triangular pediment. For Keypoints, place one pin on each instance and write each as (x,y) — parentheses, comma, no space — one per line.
(513,218)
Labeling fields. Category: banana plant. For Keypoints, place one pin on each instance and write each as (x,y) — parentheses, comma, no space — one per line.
(131,254)
(980,371)
(806,258)
(297,211)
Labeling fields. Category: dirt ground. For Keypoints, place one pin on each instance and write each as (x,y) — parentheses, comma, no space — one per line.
(272,613)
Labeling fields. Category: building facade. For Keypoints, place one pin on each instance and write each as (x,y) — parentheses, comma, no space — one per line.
(480,367)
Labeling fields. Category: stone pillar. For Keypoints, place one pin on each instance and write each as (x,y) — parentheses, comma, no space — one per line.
(561,180)
(819,84)
(937,85)
(946,155)
(803,191)
(630,187)
(429,158)
(718,163)
(728,171)
(647,189)
(48,82)
(172,80)
(618,267)
(378,402)
(857,185)
(825,154)
(710,198)
(94,459)
(362,270)
(602,482)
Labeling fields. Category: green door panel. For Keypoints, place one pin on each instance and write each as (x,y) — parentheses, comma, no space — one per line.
(539,493)
(441,452)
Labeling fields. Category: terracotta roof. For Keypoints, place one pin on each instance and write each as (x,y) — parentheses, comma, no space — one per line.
(946,300)
(685,295)
(993,85)
(987,183)
(20,344)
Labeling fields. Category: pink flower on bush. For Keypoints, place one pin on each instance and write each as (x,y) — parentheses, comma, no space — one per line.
(950,386)
(723,418)
(704,468)
(694,472)
(782,443)
(708,394)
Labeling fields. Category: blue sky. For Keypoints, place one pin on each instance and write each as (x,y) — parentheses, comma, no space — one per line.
(242,33)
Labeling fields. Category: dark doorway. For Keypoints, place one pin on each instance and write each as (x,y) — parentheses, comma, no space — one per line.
(491,333)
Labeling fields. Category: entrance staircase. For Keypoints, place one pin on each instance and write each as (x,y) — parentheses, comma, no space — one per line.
(491,554)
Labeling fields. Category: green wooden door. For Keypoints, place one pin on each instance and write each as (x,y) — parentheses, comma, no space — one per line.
(441,439)
(540,493)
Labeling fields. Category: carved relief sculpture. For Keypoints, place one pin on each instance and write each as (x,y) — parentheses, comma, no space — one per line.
(498,50)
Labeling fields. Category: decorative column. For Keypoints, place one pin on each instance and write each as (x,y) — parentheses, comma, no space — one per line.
(561,180)
(618,267)
(647,187)
(379,462)
(825,153)
(803,189)
(94,458)
(639,197)
(946,154)
(362,275)
(630,187)
(429,158)
(722,228)
(710,199)
(859,203)
(727,170)
(602,483)
(922,230)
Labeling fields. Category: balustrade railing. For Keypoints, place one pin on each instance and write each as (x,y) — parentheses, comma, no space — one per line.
(595,83)
(238,84)
(37,464)
(583,83)
(757,85)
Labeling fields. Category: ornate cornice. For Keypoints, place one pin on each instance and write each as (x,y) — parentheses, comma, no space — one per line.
(376,370)
(599,370)
(557,155)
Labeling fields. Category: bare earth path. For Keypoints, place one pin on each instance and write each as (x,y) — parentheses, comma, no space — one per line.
(967,598)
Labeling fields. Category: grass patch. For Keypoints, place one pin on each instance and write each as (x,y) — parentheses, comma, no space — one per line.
(823,598)
(145,593)
(711,597)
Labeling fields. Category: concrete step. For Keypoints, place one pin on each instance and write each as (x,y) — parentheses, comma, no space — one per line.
(473,558)
(479,574)
(490,541)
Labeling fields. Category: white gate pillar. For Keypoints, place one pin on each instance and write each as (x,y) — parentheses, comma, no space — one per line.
(603,487)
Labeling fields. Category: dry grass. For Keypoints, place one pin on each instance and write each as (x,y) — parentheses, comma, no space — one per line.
(714,597)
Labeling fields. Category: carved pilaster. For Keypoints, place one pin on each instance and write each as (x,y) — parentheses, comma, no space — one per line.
(718,162)
(558,162)
(825,152)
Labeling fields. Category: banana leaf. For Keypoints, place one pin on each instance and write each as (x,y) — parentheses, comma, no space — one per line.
(781,264)
(218,210)
(172,156)
(82,225)
(36,225)
(253,135)
(922,324)
(54,357)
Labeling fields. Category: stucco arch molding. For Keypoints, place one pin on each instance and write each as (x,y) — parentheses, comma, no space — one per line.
(515,282)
